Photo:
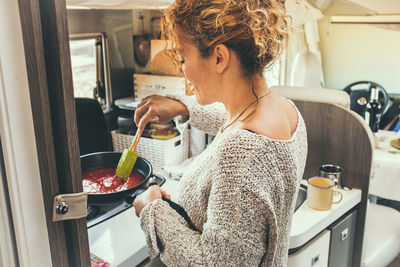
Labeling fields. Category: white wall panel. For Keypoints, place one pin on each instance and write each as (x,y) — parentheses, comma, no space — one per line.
(19,146)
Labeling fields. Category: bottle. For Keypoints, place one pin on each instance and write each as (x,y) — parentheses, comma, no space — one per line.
(373,114)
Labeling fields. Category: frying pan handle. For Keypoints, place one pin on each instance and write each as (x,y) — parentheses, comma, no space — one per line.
(130,198)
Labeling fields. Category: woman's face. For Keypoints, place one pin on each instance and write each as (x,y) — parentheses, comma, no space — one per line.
(200,72)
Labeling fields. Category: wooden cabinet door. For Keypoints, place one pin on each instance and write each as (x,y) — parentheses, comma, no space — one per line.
(46,44)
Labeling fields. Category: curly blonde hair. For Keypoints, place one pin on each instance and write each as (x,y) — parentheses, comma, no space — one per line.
(255,29)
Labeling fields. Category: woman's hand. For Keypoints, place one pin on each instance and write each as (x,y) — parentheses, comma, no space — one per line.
(152,193)
(158,109)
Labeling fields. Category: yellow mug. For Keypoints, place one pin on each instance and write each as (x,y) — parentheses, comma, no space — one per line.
(320,193)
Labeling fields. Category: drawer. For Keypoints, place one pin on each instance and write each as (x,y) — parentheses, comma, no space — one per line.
(313,254)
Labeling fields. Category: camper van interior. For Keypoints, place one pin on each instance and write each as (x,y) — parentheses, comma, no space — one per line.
(73,72)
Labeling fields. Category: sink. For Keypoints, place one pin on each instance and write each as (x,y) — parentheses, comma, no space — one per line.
(301,197)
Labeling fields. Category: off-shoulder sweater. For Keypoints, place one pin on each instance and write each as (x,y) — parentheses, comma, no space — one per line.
(239,193)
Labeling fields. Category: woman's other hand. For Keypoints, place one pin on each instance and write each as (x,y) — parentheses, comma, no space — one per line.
(158,109)
(152,193)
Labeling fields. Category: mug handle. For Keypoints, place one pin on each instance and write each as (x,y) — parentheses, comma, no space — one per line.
(341,196)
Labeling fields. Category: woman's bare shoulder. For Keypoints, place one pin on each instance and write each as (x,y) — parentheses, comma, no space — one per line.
(275,118)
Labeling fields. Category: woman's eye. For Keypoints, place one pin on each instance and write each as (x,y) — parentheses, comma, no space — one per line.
(182,61)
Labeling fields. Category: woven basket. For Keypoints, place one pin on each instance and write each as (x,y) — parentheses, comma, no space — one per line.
(159,153)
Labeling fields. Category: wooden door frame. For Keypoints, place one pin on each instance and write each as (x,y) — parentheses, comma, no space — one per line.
(46,44)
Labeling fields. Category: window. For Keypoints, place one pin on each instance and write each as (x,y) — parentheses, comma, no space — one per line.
(83,61)
(90,70)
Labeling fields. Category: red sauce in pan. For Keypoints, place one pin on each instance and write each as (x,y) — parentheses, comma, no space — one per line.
(105,181)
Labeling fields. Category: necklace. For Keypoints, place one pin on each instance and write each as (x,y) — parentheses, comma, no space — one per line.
(223,128)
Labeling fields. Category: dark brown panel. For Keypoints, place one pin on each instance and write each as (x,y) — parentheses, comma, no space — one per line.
(46,43)
(336,136)
(62,105)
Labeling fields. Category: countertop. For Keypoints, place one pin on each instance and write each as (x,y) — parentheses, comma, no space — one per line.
(126,103)
(121,242)
(308,222)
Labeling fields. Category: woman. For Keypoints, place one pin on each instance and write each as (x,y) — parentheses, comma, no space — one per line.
(240,192)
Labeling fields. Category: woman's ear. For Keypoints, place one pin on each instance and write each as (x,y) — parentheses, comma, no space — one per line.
(221,56)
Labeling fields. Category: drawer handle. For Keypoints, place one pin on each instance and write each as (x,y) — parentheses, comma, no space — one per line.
(344,234)
(315,260)
(158,87)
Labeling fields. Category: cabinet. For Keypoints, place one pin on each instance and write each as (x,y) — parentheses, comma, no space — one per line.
(150,84)
(313,254)
(342,241)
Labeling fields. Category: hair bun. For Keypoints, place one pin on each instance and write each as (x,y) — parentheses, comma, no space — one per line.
(255,29)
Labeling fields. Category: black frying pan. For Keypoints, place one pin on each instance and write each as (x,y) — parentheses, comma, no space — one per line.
(101,160)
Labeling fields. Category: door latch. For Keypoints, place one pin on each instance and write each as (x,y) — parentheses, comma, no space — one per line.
(69,206)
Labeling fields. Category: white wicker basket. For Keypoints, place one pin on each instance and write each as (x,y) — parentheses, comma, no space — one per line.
(159,153)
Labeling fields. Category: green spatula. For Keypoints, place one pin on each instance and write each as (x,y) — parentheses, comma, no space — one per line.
(128,159)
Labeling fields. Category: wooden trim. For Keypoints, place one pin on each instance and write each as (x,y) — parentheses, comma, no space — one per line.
(46,44)
(337,135)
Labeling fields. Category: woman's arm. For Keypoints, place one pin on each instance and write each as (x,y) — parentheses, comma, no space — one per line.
(235,232)
(160,109)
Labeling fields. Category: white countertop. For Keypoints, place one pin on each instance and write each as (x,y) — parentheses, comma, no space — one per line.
(126,103)
(121,242)
(308,222)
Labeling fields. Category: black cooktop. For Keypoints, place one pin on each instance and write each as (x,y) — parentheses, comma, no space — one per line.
(99,213)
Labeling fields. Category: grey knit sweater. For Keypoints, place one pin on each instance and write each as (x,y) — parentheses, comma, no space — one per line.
(240,194)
